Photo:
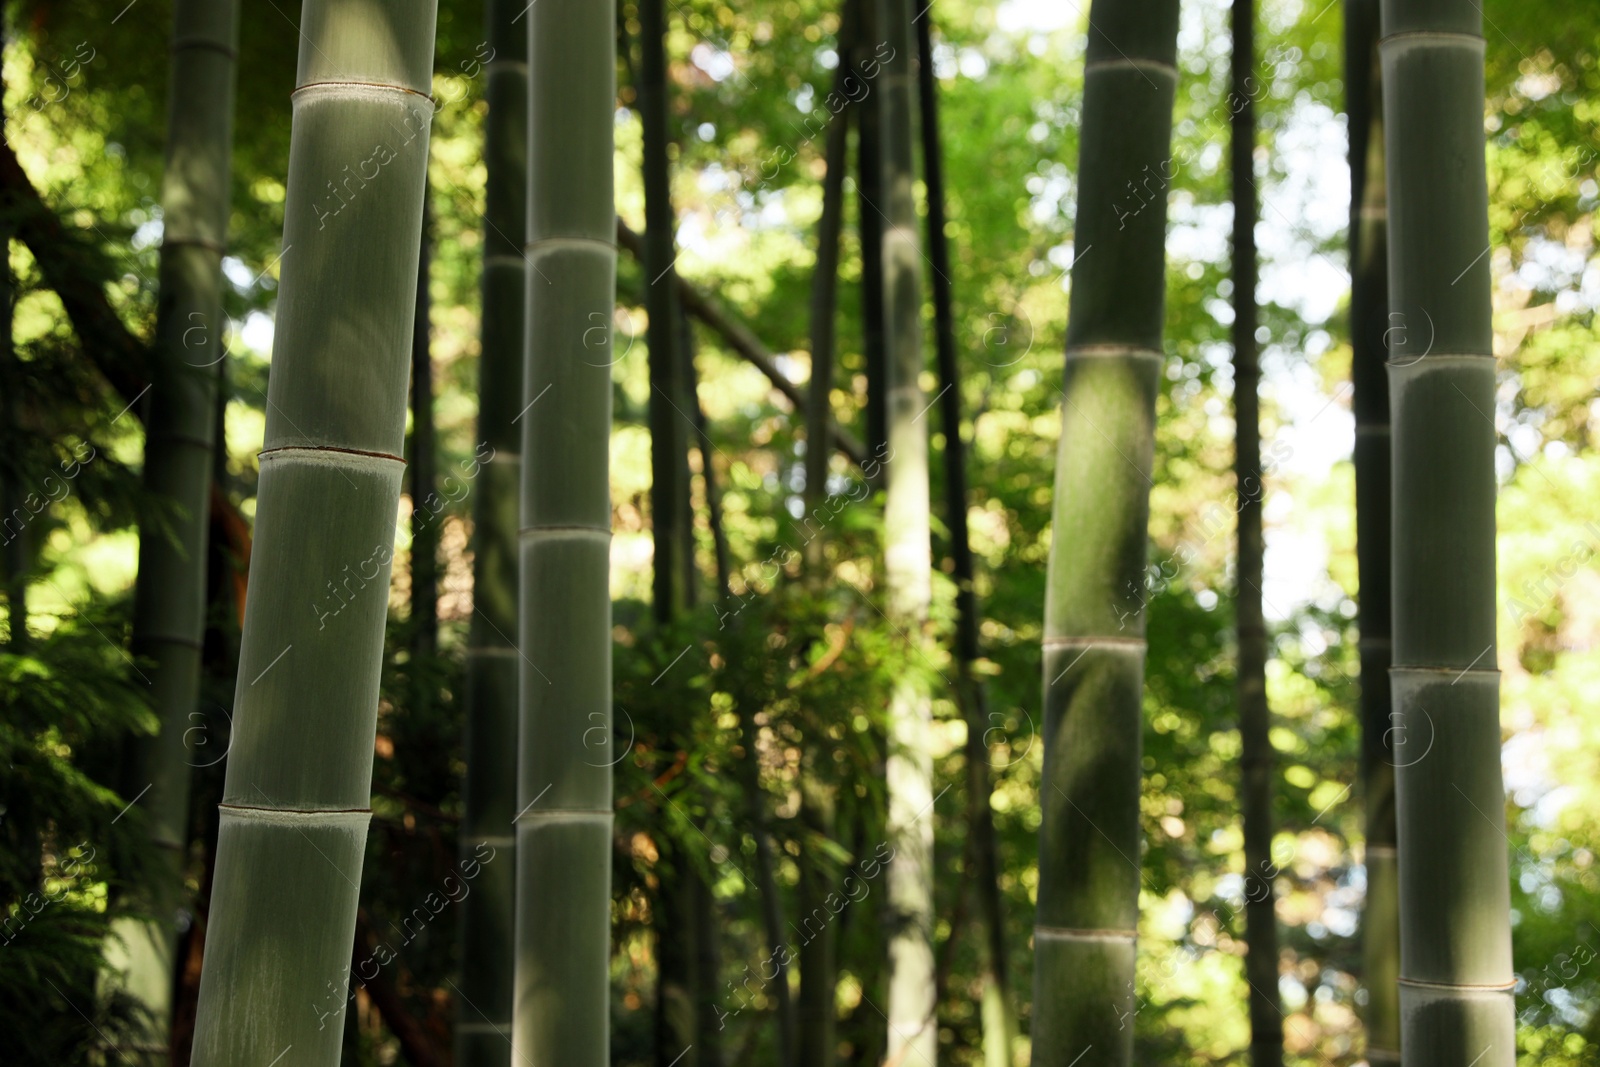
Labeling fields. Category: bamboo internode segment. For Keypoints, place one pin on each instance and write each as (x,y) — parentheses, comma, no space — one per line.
(1456,1004)
(1094,607)
(285,892)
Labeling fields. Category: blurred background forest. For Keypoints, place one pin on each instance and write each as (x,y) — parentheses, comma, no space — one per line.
(84,93)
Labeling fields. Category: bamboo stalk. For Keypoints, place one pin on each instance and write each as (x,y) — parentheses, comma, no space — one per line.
(1256,761)
(819,956)
(1094,647)
(1456,977)
(668,441)
(564,821)
(1380,938)
(870,228)
(825,289)
(294,811)
(708,470)
(169,595)
(998,1011)
(484,1011)
(913,1032)
(424,532)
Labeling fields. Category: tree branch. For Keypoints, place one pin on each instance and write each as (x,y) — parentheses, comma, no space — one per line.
(73,270)
(743,342)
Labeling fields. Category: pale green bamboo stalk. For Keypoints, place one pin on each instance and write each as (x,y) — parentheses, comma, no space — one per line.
(169,595)
(483,1015)
(1369,300)
(563,911)
(1456,978)
(1094,647)
(913,1035)
(294,812)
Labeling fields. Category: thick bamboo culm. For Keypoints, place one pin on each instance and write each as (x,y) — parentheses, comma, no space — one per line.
(295,805)
(1094,648)
(1456,977)
(483,1012)
(1369,302)
(564,816)
(169,596)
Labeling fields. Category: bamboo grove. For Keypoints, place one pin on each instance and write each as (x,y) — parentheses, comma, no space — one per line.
(828,532)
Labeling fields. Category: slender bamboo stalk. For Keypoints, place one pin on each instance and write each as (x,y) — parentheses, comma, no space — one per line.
(169,596)
(1380,937)
(819,942)
(484,1012)
(14,561)
(870,227)
(819,956)
(999,1014)
(294,811)
(708,470)
(683,968)
(424,480)
(1255,715)
(913,1033)
(564,822)
(1456,978)
(668,474)
(825,291)
(1094,648)
(749,771)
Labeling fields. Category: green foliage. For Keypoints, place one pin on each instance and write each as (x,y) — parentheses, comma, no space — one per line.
(68,840)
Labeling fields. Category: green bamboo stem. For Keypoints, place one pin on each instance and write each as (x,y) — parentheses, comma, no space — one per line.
(169,595)
(1255,716)
(708,471)
(819,943)
(294,811)
(1094,647)
(913,1035)
(668,439)
(819,953)
(998,1012)
(870,228)
(424,479)
(825,293)
(1456,977)
(484,1010)
(1380,938)
(564,799)
(14,560)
